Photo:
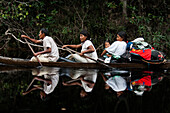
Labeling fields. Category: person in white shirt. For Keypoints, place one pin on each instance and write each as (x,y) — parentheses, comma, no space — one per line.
(86,78)
(48,75)
(50,52)
(118,47)
(88,49)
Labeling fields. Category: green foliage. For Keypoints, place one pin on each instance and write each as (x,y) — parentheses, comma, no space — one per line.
(111,5)
(103,19)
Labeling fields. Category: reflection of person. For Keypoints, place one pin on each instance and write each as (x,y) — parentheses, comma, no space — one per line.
(88,48)
(51,78)
(84,78)
(50,52)
(117,83)
(118,47)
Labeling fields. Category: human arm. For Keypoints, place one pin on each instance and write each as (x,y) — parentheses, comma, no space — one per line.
(90,49)
(104,78)
(104,52)
(34,88)
(89,83)
(48,50)
(44,80)
(33,40)
(71,84)
(72,46)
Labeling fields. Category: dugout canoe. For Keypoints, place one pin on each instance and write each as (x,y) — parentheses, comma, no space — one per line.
(27,63)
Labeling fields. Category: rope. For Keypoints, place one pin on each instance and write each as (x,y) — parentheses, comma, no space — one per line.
(154,62)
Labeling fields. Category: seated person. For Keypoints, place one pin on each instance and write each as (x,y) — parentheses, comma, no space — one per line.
(106,44)
(88,49)
(118,47)
(50,52)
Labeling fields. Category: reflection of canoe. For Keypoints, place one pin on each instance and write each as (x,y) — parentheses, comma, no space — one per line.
(27,63)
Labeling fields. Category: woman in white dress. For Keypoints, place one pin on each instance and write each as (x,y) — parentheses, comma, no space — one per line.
(88,49)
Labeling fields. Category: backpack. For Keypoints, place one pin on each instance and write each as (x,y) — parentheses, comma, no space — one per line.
(143,52)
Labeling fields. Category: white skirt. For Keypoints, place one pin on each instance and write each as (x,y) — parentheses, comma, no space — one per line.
(44,58)
(79,58)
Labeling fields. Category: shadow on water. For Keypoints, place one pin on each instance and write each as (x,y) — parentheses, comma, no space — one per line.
(69,90)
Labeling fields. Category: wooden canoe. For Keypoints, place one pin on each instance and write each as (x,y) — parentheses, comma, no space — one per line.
(27,63)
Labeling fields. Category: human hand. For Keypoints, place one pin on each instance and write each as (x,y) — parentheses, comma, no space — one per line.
(81,54)
(24,36)
(64,46)
(81,78)
(64,83)
(109,55)
(24,93)
(36,54)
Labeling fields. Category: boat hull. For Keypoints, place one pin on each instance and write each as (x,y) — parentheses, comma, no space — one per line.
(27,63)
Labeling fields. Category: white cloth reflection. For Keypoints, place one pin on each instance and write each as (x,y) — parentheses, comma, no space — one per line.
(49,73)
(48,88)
(87,74)
(117,83)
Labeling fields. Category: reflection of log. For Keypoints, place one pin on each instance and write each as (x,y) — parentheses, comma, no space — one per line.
(11,69)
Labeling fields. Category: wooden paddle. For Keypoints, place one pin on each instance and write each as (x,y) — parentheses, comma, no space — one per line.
(33,52)
(90,58)
(70,50)
(30,84)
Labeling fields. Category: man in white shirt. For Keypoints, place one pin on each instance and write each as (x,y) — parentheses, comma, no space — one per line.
(50,52)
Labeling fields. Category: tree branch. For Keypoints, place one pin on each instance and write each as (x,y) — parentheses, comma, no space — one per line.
(7,33)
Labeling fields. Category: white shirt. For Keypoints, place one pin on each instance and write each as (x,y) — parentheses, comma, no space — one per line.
(117,83)
(50,88)
(117,48)
(91,75)
(85,45)
(49,42)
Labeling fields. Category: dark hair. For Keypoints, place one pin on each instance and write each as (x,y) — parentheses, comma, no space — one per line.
(105,42)
(85,33)
(123,35)
(45,31)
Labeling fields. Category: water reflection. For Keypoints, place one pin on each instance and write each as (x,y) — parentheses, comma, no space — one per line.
(50,78)
(85,78)
(125,87)
(144,83)
(139,85)
(84,91)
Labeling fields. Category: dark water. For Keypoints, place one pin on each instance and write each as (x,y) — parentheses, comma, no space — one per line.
(57,90)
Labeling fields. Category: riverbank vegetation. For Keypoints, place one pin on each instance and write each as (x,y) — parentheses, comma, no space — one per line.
(65,18)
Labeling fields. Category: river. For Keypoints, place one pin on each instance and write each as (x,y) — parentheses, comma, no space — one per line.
(69,90)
